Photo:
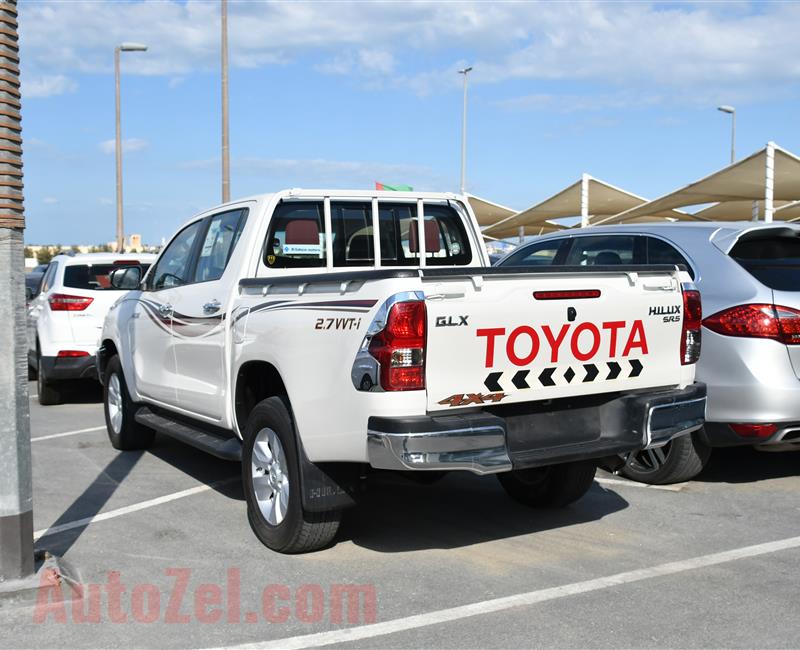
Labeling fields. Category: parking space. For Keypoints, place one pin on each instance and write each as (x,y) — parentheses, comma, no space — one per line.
(454,564)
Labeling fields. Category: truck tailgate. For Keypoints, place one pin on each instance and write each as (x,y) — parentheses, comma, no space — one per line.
(506,338)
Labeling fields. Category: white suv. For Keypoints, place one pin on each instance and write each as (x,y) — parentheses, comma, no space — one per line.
(65,318)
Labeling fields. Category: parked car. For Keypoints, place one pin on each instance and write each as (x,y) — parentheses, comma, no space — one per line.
(749,277)
(32,280)
(268,333)
(66,317)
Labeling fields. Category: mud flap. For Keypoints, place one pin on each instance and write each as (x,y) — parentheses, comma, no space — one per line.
(328,486)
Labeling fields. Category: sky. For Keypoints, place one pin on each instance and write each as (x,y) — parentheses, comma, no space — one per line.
(343,94)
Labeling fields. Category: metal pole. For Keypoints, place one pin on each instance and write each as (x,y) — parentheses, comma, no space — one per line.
(733,137)
(584,200)
(226,153)
(769,182)
(465,71)
(16,492)
(118,153)
(521,234)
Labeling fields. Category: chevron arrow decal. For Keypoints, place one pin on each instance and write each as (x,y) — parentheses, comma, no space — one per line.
(492,381)
(591,372)
(546,377)
(613,370)
(636,367)
(519,379)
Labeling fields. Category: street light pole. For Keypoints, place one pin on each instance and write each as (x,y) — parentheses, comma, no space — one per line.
(465,71)
(124,47)
(226,149)
(730,110)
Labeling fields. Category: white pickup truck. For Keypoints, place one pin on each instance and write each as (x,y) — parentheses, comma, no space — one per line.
(313,335)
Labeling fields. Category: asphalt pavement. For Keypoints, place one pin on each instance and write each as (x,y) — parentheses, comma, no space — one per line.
(162,546)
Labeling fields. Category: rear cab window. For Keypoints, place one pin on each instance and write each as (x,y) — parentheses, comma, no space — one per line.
(297,237)
(94,277)
(772,258)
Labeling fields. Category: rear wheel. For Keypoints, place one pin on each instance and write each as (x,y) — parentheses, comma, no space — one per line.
(49,392)
(124,432)
(554,486)
(271,481)
(679,460)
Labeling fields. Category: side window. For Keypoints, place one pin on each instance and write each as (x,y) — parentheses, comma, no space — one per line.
(660,252)
(605,250)
(296,237)
(220,239)
(539,254)
(49,277)
(173,268)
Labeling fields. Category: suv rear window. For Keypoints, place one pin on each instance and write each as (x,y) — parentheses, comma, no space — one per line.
(773,260)
(93,277)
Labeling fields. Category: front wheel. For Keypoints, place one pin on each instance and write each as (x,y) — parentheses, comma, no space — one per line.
(679,460)
(271,481)
(124,432)
(553,486)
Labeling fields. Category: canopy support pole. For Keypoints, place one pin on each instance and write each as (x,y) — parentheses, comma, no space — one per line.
(769,182)
(584,200)
(755,211)
(521,234)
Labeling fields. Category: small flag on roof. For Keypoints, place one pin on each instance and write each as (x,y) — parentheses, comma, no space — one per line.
(393,188)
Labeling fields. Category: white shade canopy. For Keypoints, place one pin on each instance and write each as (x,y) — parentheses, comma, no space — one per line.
(770,175)
(589,196)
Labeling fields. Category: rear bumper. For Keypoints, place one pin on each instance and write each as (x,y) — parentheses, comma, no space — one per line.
(57,368)
(536,434)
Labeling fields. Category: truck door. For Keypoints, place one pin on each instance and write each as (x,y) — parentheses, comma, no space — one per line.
(152,336)
(200,319)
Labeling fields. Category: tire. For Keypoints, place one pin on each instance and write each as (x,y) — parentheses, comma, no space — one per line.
(554,486)
(49,392)
(271,482)
(679,460)
(124,432)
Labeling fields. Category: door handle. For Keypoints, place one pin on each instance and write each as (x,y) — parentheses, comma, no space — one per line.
(165,310)
(211,307)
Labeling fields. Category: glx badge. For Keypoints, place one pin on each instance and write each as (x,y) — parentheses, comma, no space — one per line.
(450,321)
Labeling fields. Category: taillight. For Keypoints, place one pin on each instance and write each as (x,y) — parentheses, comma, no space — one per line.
(400,347)
(63,302)
(754,430)
(759,321)
(71,354)
(692,321)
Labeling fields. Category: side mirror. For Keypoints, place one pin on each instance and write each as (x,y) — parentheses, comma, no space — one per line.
(126,277)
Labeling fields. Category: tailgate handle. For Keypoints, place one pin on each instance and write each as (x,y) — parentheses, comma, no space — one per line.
(443,296)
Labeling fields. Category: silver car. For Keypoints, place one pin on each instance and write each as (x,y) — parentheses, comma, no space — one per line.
(748,274)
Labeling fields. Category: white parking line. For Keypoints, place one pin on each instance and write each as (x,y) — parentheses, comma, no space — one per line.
(351,634)
(136,507)
(68,433)
(675,487)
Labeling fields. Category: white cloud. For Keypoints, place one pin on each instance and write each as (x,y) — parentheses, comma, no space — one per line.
(50,200)
(319,171)
(47,86)
(670,51)
(128,145)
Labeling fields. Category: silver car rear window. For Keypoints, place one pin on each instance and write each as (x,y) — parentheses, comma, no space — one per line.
(773,260)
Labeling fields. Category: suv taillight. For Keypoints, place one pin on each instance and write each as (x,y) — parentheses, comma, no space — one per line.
(760,321)
(692,321)
(63,302)
(400,347)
